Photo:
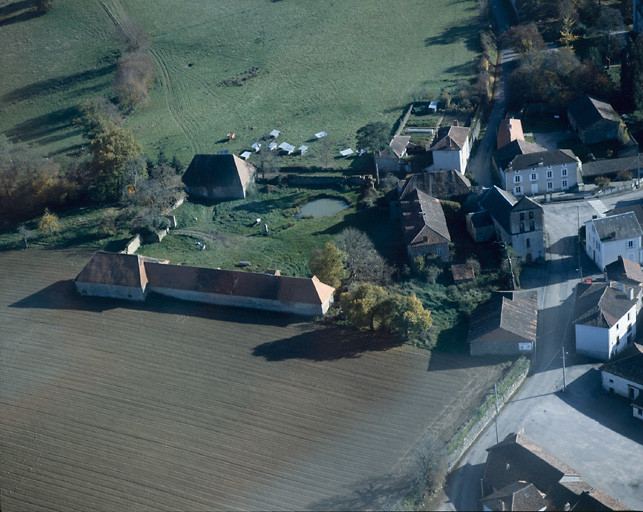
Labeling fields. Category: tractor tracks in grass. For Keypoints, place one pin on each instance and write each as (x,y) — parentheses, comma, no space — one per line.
(116,12)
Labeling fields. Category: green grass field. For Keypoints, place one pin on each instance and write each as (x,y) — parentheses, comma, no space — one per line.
(331,66)
(231,233)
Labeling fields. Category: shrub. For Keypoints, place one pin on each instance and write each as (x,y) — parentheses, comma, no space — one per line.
(49,223)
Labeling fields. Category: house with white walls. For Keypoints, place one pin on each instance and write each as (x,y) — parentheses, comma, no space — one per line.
(609,237)
(605,315)
(624,376)
(452,148)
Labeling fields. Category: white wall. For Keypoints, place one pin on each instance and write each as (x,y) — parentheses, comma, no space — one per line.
(609,251)
(541,180)
(601,343)
(244,302)
(449,159)
(108,290)
(620,385)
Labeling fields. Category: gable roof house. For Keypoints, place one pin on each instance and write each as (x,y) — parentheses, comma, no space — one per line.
(541,172)
(502,157)
(218,176)
(451,149)
(134,277)
(609,237)
(605,315)
(515,466)
(424,227)
(390,158)
(593,120)
(518,223)
(445,184)
(624,376)
(510,129)
(624,271)
(506,325)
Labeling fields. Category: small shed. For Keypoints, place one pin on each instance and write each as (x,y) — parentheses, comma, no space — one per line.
(303,149)
(287,148)
(462,273)
(433,106)
(245,155)
(256,146)
(272,146)
(347,152)
(320,135)
(275,133)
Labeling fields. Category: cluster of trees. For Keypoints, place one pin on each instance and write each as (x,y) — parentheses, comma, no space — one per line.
(136,69)
(632,76)
(360,274)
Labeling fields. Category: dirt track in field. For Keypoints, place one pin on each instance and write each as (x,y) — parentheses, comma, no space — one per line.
(108,405)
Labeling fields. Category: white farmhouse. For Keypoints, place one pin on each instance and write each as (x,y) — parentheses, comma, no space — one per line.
(451,149)
(605,318)
(613,236)
(543,172)
(624,377)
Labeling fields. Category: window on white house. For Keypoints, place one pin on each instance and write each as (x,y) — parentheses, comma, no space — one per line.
(563,172)
(527,243)
(533,176)
(517,190)
(517,178)
(564,183)
(630,243)
(628,317)
(550,185)
(550,174)
(640,412)
(531,215)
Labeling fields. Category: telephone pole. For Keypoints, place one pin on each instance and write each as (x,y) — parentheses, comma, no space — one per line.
(564,379)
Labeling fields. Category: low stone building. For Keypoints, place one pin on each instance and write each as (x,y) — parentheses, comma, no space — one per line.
(424,227)
(445,184)
(506,325)
(593,120)
(218,177)
(480,226)
(624,376)
(133,277)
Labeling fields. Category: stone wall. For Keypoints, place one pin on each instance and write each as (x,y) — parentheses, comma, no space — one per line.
(133,245)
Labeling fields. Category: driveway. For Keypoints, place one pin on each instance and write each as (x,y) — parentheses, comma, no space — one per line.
(550,140)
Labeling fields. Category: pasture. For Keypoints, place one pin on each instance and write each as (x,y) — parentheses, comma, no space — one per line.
(231,234)
(109,405)
(304,66)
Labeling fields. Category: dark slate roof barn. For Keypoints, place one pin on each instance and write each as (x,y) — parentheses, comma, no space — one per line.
(218,176)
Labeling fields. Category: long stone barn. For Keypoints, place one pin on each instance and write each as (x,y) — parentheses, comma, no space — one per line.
(134,277)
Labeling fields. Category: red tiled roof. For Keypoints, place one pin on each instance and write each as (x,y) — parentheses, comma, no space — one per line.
(509,129)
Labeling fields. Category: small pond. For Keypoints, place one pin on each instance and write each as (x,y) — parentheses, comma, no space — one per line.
(322,208)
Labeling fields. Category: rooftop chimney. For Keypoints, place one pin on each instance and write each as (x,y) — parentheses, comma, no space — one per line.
(455,123)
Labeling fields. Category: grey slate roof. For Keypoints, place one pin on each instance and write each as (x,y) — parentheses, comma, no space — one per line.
(481,219)
(503,156)
(618,227)
(440,184)
(499,203)
(587,110)
(628,364)
(398,144)
(601,305)
(543,158)
(625,206)
(515,496)
(509,315)
(612,166)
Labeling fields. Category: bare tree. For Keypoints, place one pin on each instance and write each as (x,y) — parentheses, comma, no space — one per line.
(134,35)
(25,234)
(363,262)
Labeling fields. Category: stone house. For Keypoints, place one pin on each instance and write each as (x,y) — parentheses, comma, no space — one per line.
(609,237)
(509,130)
(624,376)
(224,176)
(451,149)
(605,317)
(445,184)
(480,226)
(543,172)
(133,277)
(506,325)
(518,223)
(424,226)
(516,462)
(593,120)
(119,276)
(624,271)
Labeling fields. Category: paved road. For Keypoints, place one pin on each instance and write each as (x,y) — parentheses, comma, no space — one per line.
(588,430)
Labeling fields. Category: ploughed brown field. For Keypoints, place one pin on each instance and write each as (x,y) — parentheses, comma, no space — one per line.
(110,405)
